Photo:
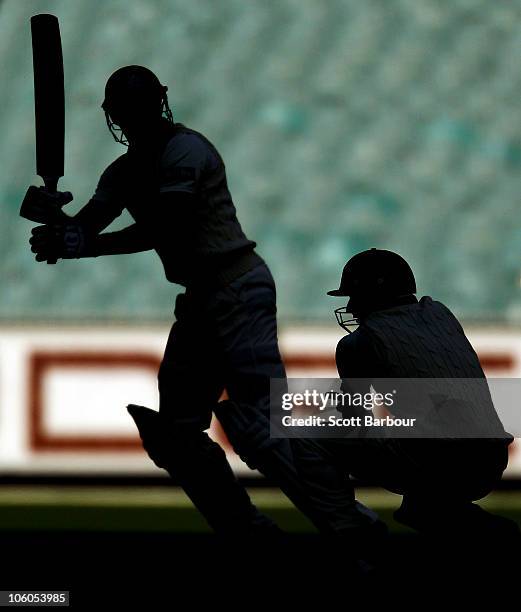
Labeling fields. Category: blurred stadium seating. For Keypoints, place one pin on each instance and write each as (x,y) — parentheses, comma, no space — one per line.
(343,124)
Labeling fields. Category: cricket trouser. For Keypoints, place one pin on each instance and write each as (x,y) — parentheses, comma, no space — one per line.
(225,339)
(443,474)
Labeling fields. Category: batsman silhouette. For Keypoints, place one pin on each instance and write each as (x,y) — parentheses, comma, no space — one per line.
(172,180)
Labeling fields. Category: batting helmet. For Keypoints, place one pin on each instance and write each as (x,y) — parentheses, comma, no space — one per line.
(132,94)
(376,273)
(370,278)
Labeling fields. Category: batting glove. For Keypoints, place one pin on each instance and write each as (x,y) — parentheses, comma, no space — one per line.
(44,206)
(68,241)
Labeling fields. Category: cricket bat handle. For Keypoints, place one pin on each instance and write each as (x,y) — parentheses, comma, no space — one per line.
(51,184)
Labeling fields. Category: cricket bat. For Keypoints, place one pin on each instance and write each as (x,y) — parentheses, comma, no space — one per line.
(49,102)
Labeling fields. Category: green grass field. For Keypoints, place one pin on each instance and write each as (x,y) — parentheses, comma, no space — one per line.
(167,509)
(147,543)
